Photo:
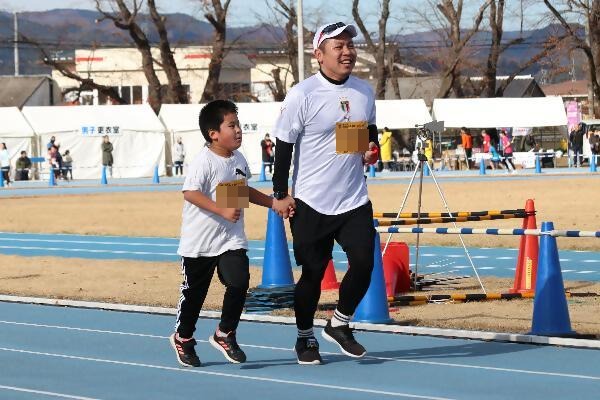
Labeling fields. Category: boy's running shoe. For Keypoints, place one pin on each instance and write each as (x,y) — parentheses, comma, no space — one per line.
(307,351)
(344,338)
(184,349)
(229,347)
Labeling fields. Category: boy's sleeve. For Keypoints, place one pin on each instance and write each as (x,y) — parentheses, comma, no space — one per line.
(197,177)
(290,122)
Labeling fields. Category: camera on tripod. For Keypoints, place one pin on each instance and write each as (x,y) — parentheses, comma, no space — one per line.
(426,131)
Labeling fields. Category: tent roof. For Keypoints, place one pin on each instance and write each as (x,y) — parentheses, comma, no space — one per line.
(54,119)
(401,114)
(14,123)
(501,111)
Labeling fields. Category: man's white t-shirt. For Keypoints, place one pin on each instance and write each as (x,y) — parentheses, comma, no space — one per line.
(204,234)
(328,182)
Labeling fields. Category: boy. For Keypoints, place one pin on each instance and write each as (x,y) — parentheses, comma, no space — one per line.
(212,236)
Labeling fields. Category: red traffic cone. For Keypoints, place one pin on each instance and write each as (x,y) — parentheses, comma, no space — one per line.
(396,270)
(527,260)
(329,281)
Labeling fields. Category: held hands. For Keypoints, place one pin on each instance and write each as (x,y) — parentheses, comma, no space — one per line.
(231,214)
(372,155)
(285,207)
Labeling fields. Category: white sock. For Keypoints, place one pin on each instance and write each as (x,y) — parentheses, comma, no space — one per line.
(305,333)
(339,319)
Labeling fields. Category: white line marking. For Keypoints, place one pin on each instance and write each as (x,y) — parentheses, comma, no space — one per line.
(90,242)
(88,250)
(402,360)
(585,272)
(564,259)
(479,257)
(53,394)
(227,375)
(455,256)
(591,261)
(505,258)
(429,255)
(462,266)
(486,268)
(567,270)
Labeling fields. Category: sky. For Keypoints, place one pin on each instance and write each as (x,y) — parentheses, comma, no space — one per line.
(249,12)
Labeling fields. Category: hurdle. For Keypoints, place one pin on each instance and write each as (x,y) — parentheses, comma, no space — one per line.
(445,220)
(492,231)
(448,214)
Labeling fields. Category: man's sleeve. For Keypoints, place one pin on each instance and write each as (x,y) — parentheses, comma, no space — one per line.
(283,160)
(373,134)
(290,122)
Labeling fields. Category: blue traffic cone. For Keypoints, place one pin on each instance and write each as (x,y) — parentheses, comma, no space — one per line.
(1,180)
(372,171)
(550,311)
(263,175)
(593,163)
(482,167)
(156,178)
(277,268)
(426,169)
(538,165)
(373,308)
(51,178)
(103,180)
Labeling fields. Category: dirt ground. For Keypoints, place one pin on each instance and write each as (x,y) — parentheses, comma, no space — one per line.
(571,203)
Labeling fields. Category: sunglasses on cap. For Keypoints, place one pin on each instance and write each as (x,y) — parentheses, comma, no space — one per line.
(332,27)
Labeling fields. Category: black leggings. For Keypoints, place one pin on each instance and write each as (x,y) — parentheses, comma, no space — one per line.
(314,236)
(6,174)
(179,167)
(234,272)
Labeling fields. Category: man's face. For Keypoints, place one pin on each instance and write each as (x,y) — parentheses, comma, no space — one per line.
(337,56)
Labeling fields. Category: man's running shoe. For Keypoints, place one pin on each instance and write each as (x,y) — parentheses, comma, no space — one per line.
(307,351)
(344,338)
(229,347)
(186,355)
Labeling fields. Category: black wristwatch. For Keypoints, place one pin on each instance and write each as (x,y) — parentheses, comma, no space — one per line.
(280,195)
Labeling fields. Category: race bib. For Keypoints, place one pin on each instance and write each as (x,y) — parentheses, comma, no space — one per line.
(351,137)
(234,194)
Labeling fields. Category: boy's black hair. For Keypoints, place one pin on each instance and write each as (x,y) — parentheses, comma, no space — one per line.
(212,116)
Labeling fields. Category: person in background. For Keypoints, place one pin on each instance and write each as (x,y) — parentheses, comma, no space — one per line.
(495,160)
(50,143)
(67,165)
(5,163)
(485,141)
(506,150)
(386,148)
(576,141)
(107,157)
(595,143)
(467,144)
(268,153)
(23,165)
(179,156)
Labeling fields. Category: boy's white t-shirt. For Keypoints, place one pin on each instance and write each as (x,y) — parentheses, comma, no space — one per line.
(328,182)
(203,233)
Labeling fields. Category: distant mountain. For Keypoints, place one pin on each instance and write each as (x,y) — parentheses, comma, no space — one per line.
(68,29)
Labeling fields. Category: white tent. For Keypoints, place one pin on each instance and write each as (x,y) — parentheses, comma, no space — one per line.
(256,119)
(500,112)
(15,132)
(137,135)
(401,114)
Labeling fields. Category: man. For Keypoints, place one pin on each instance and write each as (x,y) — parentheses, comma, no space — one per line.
(329,192)
(23,166)
(467,144)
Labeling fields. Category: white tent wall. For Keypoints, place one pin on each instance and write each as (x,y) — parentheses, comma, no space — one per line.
(138,147)
(401,114)
(15,132)
(500,112)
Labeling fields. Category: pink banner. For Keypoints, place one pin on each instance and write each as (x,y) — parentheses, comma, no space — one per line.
(573,113)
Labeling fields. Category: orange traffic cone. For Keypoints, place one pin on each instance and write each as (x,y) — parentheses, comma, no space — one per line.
(527,260)
(329,281)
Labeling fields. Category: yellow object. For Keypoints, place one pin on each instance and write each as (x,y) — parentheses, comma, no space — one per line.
(385,144)
(429,149)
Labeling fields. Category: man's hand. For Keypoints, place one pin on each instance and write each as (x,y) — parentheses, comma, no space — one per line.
(231,214)
(372,155)
(284,207)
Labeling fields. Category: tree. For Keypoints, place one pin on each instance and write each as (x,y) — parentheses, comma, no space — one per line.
(378,51)
(590,10)
(216,14)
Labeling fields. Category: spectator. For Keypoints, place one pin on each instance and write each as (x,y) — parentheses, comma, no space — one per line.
(55,160)
(595,143)
(495,160)
(467,144)
(267,152)
(107,157)
(385,144)
(485,141)
(50,143)
(5,163)
(67,165)
(530,142)
(576,141)
(179,157)
(23,165)
(506,151)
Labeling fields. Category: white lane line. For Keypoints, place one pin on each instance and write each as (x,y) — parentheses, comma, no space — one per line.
(564,259)
(591,261)
(227,375)
(45,393)
(462,266)
(585,272)
(455,256)
(486,268)
(568,270)
(479,257)
(401,360)
(90,242)
(87,250)
(505,258)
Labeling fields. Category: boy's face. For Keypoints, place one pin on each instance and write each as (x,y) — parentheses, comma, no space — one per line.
(229,135)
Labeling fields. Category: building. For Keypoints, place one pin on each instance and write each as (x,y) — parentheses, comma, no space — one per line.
(30,90)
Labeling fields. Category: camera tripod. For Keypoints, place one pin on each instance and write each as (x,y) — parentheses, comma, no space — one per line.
(421,164)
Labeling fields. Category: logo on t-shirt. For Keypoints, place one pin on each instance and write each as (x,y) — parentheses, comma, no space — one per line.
(240,172)
(345,106)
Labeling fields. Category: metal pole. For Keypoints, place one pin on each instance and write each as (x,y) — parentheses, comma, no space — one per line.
(16,44)
(300,29)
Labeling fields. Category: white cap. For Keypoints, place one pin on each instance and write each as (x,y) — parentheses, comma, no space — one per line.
(328,31)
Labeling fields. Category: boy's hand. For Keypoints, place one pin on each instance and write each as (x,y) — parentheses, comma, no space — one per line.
(282,207)
(291,211)
(231,214)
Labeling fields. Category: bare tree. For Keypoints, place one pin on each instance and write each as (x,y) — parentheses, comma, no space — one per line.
(216,14)
(590,10)
(378,51)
